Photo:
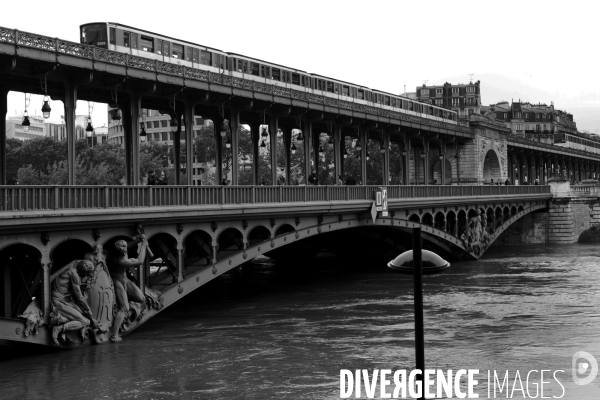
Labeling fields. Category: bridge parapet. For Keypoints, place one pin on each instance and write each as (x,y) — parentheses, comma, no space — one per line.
(39,198)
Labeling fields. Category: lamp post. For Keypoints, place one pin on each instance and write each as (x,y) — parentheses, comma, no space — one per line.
(411,263)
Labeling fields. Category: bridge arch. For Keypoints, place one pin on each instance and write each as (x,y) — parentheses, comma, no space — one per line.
(20,270)
(230,241)
(258,234)
(439,220)
(68,250)
(427,219)
(450,222)
(198,249)
(283,229)
(491,167)
(415,218)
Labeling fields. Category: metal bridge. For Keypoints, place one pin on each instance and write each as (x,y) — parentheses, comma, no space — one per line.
(201,232)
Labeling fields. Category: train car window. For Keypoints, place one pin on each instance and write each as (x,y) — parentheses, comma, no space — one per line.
(386,100)
(321,85)
(345,90)
(367,95)
(393,102)
(264,71)
(177,51)
(206,57)
(336,88)
(410,106)
(195,55)
(126,39)
(159,45)
(254,68)
(113,35)
(276,74)
(147,44)
(361,94)
(220,61)
(166,48)
(134,40)
(305,81)
(295,79)
(188,53)
(287,76)
(353,91)
(330,87)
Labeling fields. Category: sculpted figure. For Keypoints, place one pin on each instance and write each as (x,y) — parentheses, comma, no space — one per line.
(125,289)
(67,298)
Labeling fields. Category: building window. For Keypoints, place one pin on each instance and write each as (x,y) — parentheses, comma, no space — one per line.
(455,102)
(439,102)
(439,91)
(157,136)
(470,89)
(163,123)
(519,127)
(424,92)
(455,90)
(156,124)
(524,115)
(170,135)
(505,115)
(164,136)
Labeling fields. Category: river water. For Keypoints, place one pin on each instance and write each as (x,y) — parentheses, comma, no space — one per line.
(269,331)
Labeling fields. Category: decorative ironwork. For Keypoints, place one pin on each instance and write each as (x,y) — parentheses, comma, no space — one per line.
(7,35)
(74,49)
(36,41)
(359,107)
(142,63)
(168,68)
(263,87)
(281,91)
(242,83)
(109,56)
(226,80)
(345,104)
(45,237)
(96,234)
(197,74)
(331,102)
(315,98)
(296,94)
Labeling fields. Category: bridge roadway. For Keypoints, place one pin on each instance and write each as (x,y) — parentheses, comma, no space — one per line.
(203,232)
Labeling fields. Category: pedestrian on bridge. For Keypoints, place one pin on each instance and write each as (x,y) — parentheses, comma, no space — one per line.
(151,177)
(507,182)
(162,180)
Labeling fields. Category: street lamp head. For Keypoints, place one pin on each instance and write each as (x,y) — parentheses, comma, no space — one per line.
(143,134)
(228,142)
(422,153)
(46,108)
(25,123)
(382,149)
(321,151)
(368,156)
(115,115)
(345,152)
(89,129)
(330,139)
(263,144)
(264,133)
(174,124)
(300,138)
(441,156)
(293,148)
(358,145)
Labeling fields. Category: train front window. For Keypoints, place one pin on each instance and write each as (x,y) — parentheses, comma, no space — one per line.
(94,35)
(147,44)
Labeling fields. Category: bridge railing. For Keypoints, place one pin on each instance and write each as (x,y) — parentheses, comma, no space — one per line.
(24,198)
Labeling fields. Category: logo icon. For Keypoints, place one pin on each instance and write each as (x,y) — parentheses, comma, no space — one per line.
(583,363)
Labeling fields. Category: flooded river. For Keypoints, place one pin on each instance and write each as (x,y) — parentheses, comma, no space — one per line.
(269,331)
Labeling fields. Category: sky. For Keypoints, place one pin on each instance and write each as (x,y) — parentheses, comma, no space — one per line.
(537,51)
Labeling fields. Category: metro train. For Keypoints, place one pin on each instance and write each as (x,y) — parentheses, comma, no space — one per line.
(576,142)
(141,43)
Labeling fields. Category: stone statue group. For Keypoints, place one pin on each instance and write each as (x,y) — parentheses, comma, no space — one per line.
(95,295)
(476,236)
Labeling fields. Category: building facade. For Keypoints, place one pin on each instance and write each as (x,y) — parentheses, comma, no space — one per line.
(465,99)
(14,128)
